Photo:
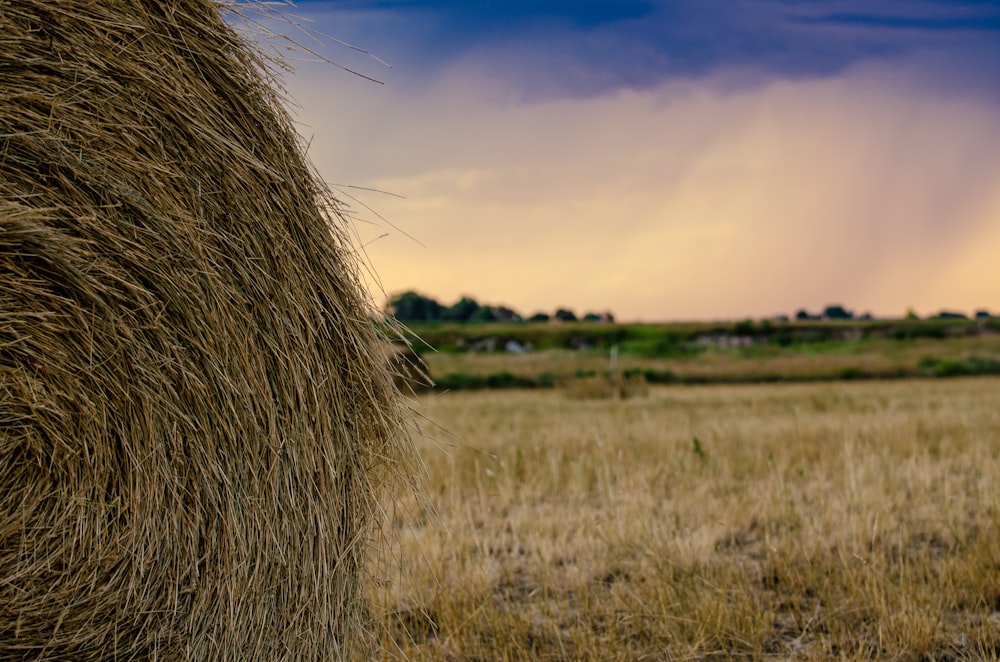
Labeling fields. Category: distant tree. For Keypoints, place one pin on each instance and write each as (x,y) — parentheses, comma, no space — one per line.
(462,310)
(983,315)
(484,314)
(606,316)
(950,315)
(505,314)
(540,317)
(911,314)
(565,315)
(413,307)
(803,315)
(837,312)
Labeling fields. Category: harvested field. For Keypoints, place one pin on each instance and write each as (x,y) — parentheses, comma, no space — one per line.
(852,521)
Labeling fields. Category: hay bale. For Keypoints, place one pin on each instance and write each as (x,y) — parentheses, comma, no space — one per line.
(196,420)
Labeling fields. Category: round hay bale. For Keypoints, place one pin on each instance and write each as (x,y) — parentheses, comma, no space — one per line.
(196,420)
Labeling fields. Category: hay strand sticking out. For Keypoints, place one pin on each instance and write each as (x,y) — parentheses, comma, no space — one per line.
(196,422)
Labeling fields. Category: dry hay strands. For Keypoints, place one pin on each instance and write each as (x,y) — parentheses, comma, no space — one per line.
(409,371)
(196,422)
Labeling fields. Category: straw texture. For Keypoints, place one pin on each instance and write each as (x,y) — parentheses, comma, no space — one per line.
(196,422)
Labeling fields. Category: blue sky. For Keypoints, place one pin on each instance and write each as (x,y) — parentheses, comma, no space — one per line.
(666,160)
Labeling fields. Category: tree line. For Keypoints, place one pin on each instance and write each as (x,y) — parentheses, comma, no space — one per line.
(412,306)
(838,312)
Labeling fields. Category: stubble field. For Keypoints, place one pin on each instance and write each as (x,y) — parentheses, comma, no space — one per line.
(845,520)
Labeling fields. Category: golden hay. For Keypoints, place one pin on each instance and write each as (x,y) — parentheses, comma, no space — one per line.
(196,423)
(409,371)
(605,387)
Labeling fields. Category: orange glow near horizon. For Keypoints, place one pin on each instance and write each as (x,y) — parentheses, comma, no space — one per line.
(689,201)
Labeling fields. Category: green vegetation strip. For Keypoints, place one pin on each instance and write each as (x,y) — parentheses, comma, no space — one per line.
(927,367)
(660,339)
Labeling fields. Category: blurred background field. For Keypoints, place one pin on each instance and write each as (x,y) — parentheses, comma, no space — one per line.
(526,355)
(846,520)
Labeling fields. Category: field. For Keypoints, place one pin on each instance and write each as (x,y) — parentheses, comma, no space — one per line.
(473,355)
(845,520)
(861,359)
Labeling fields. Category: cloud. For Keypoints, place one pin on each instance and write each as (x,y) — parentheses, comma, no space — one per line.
(487,16)
(987,23)
(551,49)
(692,199)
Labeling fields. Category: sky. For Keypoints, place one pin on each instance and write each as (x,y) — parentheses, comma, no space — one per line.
(661,159)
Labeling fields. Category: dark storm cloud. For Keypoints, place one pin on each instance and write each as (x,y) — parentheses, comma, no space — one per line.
(486,13)
(956,23)
(587,47)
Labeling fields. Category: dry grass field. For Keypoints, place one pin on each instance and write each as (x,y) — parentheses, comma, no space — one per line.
(879,356)
(850,521)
